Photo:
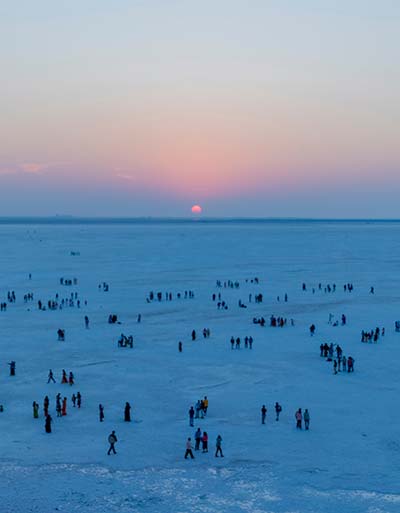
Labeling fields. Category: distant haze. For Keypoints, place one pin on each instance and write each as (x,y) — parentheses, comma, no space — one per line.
(246,108)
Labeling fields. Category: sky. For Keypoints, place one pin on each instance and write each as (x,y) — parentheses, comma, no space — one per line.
(254,108)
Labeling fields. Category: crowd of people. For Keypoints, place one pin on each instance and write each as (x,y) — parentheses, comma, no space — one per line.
(331,352)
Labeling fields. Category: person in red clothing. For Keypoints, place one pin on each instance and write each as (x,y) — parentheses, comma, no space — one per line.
(64,407)
(204,440)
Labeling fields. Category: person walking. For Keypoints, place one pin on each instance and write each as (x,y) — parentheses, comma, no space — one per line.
(189,451)
(218,445)
(51,377)
(112,440)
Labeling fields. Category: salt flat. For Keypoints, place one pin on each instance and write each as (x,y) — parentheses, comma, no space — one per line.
(350,457)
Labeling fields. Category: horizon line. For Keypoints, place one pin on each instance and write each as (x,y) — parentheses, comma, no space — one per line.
(70,219)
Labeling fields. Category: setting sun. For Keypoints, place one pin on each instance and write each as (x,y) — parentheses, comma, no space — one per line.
(196,209)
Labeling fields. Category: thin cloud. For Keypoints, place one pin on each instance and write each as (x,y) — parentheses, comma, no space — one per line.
(33,167)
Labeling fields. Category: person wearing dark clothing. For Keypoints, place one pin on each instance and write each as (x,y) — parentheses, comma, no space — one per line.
(197,437)
(218,446)
(12,368)
(191,416)
(127,414)
(112,440)
(180,347)
(51,377)
(278,409)
(263,414)
(101,412)
(306,418)
(46,403)
(299,418)
(79,399)
(47,424)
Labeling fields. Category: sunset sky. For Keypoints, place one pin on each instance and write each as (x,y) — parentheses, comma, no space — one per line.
(248,108)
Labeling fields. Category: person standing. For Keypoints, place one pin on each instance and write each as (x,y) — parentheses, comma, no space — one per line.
(35,410)
(79,399)
(127,413)
(299,418)
(112,440)
(191,416)
(46,403)
(218,445)
(71,379)
(189,451)
(197,438)
(306,418)
(205,405)
(101,412)
(58,405)
(47,424)
(263,414)
(204,440)
(278,409)
(64,407)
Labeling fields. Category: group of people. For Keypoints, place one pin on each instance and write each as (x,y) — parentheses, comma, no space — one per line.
(203,439)
(168,296)
(125,341)
(279,322)
(68,281)
(236,342)
(334,322)
(372,335)
(278,409)
(340,362)
(299,416)
(206,333)
(61,408)
(347,287)
(57,304)
(198,411)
